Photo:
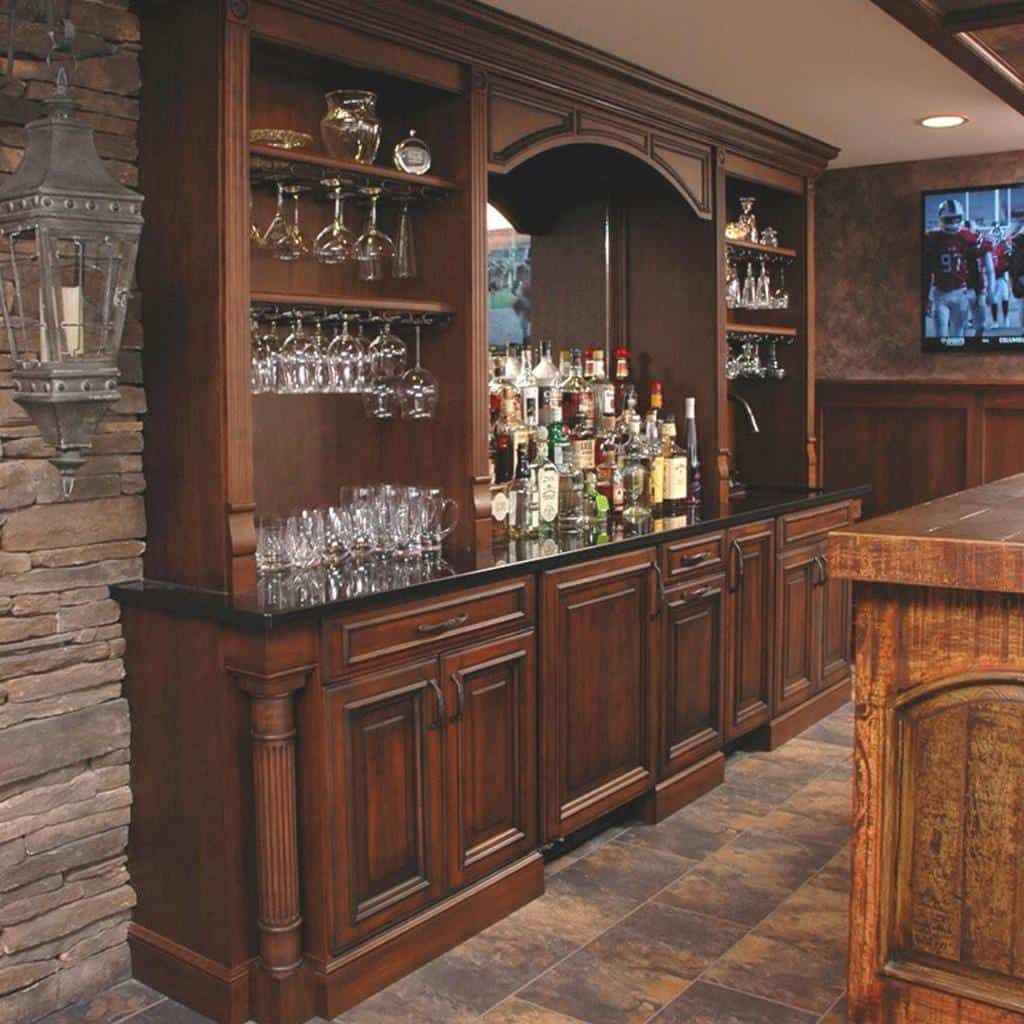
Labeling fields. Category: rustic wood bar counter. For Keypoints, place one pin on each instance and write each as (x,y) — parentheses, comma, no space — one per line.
(936,930)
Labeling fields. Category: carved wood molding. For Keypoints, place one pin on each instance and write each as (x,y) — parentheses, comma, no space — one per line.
(275,798)
(521,51)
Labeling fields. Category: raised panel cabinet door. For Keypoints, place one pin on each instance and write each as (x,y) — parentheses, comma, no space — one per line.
(798,634)
(751,551)
(836,627)
(693,674)
(491,756)
(387,799)
(597,737)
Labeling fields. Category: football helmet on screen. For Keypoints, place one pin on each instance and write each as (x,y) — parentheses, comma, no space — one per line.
(951,215)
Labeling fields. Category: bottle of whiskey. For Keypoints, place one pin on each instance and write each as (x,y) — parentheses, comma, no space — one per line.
(512,428)
(694,488)
(583,445)
(577,398)
(559,446)
(546,375)
(656,479)
(657,399)
(674,496)
(609,474)
(622,377)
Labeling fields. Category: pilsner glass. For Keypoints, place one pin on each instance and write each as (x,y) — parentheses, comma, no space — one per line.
(404,264)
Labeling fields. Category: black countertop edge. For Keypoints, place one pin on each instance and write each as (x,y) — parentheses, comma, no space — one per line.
(243,610)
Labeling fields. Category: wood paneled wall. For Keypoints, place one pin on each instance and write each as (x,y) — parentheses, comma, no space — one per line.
(914,440)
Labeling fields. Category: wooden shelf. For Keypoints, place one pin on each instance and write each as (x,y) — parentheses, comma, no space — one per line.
(354,302)
(352,169)
(786,332)
(756,248)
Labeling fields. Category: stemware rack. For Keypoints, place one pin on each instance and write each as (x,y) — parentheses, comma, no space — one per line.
(270,167)
(771,254)
(274,312)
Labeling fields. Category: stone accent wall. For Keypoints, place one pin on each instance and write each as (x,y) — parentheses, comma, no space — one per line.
(65,801)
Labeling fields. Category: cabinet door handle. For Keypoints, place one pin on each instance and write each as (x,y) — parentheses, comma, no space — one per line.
(822,569)
(430,628)
(442,711)
(687,561)
(460,698)
(738,570)
(660,600)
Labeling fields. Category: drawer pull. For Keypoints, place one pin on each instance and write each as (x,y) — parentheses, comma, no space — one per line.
(692,595)
(432,628)
(687,561)
(442,712)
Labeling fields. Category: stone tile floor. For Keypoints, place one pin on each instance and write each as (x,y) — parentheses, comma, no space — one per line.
(732,911)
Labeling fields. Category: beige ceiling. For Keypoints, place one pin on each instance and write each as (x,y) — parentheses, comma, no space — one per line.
(840,70)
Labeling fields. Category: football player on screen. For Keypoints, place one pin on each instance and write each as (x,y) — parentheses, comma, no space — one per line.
(960,272)
(999,297)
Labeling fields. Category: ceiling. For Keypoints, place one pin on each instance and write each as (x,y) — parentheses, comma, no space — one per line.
(843,71)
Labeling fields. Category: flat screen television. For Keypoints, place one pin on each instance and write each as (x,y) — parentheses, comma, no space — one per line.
(973,269)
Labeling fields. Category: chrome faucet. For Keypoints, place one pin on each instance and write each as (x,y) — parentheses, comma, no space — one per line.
(751,418)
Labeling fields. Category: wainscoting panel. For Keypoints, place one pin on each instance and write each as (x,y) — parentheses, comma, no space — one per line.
(919,439)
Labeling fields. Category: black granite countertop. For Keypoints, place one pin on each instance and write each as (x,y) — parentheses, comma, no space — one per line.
(355,585)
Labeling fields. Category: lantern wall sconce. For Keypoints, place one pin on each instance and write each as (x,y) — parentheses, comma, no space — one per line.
(69,239)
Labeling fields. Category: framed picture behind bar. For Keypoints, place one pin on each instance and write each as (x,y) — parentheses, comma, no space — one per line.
(972,250)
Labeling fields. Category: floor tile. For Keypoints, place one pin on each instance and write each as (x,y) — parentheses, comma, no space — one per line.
(628,872)
(837,1015)
(686,834)
(710,1004)
(518,1011)
(781,972)
(602,990)
(168,1012)
(485,969)
(410,1001)
(836,873)
(110,1006)
(815,918)
(835,730)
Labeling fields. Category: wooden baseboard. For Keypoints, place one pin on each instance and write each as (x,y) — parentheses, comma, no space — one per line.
(671,794)
(351,978)
(206,986)
(782,729)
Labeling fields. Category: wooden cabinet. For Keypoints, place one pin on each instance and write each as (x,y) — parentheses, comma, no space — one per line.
(693,675)
(491,756)
(598,710)
(433,781)
(387,794)
(749,619)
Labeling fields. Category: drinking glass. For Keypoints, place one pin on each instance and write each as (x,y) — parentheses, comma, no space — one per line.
(773,369)
(435,508)
(404,264)
(418,391)
(258,355)
(283,238)
(297,362)
(387,352)
(336,533)
(780,297)
(764,288)
(373,248)
(336,243)
(304,538)
(320,370)
(346,362)
(271,549)
(748,297)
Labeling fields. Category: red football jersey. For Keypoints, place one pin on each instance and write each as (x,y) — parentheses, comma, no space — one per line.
(1001,258)
(952,260)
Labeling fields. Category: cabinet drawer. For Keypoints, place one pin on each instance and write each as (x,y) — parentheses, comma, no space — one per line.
(693,557)
(803,527)
(357,640)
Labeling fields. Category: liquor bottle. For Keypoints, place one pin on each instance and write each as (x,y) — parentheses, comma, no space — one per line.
(513,357)
(595,505)
(622,377)
(609,474)
(674,498)
(559,447)
(694,488)
(547,493)
(546,375)
(603,388)
(509,426)
(583,445)
(635,471)
(656,479)
(571,518)
(520,496)
(627,413)
(577,398)
(495,386)
(657,399)
(529,391)
(499,514)
(564,363)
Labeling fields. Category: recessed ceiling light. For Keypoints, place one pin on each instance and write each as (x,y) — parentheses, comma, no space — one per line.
(943,121)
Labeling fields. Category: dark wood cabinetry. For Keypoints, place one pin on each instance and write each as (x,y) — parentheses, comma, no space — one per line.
(750,607)
(491,756)
(597,712)
(387,794)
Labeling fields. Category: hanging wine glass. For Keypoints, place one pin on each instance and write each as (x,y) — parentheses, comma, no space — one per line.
(748,298)
(336,243)
(374,248)
(764,288)
(404,265)
(287,243)
(277,229)
(418,392)
(387,353)
(255,235)
(780,297)
(346,361)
